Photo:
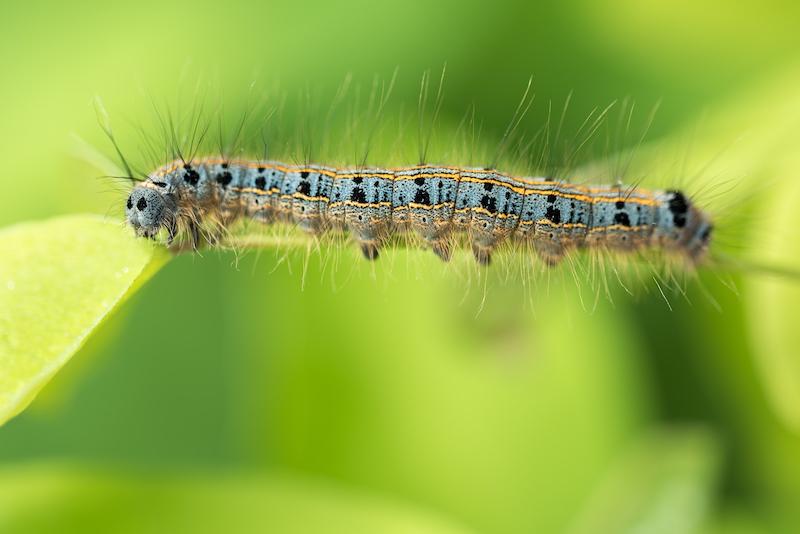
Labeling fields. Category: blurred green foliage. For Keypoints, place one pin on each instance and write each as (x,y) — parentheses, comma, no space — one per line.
(377,397)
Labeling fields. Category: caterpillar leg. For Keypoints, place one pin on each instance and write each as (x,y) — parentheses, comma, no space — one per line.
(442,249)
(369,249)
(486,232)
(368,229)
(550,244)
(172,231)
(551,259)
(192,243)
(194,235)
(483,254)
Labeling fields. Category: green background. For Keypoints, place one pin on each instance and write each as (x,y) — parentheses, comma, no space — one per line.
(403,396)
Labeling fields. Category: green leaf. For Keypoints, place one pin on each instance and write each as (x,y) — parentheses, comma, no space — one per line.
(664,483)
(746,163)
(52,498)
(774,302)
(770,160)
(58,280)
(740,520)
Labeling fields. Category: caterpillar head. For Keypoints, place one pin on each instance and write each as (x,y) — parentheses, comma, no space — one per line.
(700,236)
(150,207)
(689,228)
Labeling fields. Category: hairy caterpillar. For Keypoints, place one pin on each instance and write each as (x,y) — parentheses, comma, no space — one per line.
(437,203)
(195,201)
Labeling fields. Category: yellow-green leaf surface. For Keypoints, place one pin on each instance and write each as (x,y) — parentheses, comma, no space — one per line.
(774,307)
(52,498)
(773,301)
(58,280)
(749,159)
(664,483)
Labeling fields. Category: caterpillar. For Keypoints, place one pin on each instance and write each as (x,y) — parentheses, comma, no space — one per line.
(438,203)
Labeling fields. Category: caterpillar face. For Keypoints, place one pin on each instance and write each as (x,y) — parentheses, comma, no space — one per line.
(700,238)
(685,226)
(148,209)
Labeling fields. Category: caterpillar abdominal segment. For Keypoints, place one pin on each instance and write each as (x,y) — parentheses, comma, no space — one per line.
(435,202)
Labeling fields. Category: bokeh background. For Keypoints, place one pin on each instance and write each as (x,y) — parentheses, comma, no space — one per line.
(275,394)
